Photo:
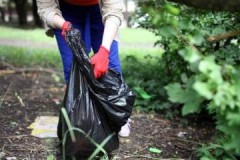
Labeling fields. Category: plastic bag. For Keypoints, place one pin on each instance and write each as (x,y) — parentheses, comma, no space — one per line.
(100,107)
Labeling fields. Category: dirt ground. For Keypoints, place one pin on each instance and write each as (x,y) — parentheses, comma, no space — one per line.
(24,95)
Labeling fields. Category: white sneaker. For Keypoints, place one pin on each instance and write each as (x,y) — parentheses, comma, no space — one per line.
(125,130)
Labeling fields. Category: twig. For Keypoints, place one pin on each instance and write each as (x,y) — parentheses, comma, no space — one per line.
(143,136)
(18,136)
(28,147)
(140,150)
(141,156)
(21,70)
(9,153)
(187,141)
(3,147)
(4,72)
(223,36)
(7,64)
(9,140)
(47,113)
(20,99)
(1,102)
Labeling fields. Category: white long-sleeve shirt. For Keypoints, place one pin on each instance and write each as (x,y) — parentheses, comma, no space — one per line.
(111,11)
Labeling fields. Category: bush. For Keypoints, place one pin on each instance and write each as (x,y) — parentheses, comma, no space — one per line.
(201,69)
(145,76)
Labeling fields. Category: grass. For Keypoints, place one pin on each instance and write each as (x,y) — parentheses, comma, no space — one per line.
(127,35)
(49,57)
(28,57)
(139,36)
(36,35)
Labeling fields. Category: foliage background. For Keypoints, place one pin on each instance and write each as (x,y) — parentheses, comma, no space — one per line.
(193,74)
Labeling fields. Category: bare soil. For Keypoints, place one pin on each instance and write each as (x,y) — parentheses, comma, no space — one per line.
(26,95)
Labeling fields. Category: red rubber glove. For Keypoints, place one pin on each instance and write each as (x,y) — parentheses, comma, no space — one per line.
(66,27)
(100,62)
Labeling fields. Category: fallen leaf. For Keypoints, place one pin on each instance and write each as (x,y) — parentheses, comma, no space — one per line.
(155,150)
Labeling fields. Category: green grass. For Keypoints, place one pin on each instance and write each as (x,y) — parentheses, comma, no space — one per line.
(29,57)
(37,35)
(139,36)
(135,42)
(127,35)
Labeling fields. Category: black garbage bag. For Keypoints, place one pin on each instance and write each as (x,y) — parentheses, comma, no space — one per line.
(99,107)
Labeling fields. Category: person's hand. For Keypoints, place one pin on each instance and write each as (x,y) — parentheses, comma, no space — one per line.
(100,62)
(66,27)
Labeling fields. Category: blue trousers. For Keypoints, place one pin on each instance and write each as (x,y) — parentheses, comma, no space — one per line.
(88,20)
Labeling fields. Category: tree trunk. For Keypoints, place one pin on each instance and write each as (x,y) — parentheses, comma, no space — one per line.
(36,17)
(2,11)
(21,7)
(10,10)
(214,5)
(127,14)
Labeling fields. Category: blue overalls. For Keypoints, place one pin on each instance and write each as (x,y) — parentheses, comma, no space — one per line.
(88,20)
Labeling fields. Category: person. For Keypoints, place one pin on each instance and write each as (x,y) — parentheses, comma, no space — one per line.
(98,22)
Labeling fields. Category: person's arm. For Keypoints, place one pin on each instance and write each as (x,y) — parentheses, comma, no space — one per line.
(48,10)
(110,31)
(112,18)
(58,21)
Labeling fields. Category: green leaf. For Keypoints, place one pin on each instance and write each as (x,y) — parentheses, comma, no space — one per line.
(156,19)
(203,89)
(218,152)
(167,31)
(143,94)
(196,39)
(184,78)
(191,107)
(236,86)
(233,118)
(190,54)
(51,157)
(172,9)
(206,158)
(188,96)
(69,125)
(209,67)
(185,23)
(218,30)
(155,150)
(208,64)
(176,93)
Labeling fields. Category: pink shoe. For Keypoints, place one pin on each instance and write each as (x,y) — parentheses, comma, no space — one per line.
(125,130)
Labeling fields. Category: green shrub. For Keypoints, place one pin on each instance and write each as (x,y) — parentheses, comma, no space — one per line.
(146,78)
(200,74)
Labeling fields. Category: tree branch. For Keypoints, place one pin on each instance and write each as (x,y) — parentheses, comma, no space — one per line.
(223,36)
